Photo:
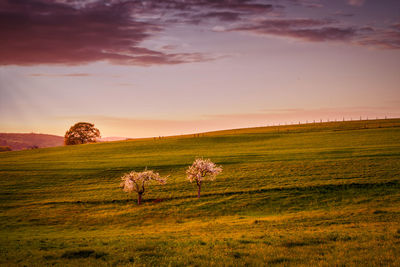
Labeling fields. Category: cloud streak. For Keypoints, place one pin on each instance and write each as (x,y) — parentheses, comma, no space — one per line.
(356,2)
(314,30)
(306,29)
(60,75)
(380,38)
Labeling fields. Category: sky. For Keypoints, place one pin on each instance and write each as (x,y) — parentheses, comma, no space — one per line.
(139,68)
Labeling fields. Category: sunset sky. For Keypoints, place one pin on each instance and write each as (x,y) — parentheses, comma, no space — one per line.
(149,68)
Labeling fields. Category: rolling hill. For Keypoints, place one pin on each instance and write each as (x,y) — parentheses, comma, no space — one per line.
(20,141)
(315,194)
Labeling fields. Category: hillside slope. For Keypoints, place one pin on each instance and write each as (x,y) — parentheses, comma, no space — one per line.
(20,141)
(317,194)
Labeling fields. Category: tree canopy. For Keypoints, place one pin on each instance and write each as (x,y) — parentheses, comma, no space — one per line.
(137,181)
(201,170)
(81,133)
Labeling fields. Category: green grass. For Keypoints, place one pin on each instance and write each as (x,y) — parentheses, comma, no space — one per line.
(316,194)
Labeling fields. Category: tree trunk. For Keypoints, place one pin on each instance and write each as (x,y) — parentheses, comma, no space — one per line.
(198,191)
(139,199)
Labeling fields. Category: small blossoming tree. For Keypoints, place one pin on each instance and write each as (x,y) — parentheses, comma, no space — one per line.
(201,170)
(137,181)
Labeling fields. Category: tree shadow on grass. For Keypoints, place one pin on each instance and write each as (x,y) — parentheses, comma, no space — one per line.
(320,189)
(83,253)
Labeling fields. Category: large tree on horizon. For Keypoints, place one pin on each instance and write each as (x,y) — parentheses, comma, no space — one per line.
(81,133)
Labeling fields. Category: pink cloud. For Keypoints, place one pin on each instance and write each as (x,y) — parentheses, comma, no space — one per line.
(43,32)
(356,2)
(306,29)
(60,75)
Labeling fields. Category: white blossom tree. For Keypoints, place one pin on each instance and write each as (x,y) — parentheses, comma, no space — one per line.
(137,182)
(201,170)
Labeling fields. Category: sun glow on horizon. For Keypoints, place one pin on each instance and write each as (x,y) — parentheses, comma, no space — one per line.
(232,65)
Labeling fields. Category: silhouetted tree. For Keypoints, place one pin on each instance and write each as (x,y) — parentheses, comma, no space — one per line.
(81,133)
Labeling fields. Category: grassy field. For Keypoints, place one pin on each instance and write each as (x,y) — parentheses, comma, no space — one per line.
(318,194)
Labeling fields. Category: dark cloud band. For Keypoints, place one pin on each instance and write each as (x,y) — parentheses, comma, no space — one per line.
(76,32)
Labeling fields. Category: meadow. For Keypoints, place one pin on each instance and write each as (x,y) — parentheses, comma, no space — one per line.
(324,194)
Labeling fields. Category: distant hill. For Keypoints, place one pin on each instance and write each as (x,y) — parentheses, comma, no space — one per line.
(20,141)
